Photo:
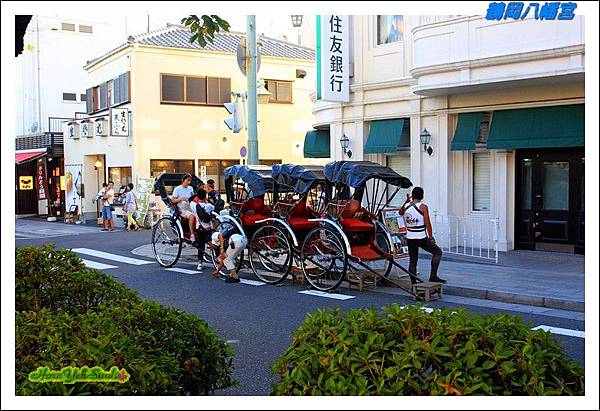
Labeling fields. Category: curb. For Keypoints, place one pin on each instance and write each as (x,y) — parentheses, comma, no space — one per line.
(514,298)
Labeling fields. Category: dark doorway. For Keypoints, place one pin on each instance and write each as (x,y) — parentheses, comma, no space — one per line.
(550,189)
(25,198)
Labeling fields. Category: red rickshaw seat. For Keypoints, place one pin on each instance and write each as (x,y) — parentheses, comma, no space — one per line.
(354,225)
(251,219)
(365,252)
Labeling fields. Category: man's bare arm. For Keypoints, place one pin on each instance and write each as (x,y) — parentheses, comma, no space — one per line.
(428,227)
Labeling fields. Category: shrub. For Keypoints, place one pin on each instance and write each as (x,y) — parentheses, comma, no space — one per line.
(406,351)
(60,281)
(165,351)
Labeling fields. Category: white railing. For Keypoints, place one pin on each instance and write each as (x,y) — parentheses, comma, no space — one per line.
(471,236)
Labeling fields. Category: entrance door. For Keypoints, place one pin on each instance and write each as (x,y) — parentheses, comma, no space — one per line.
(549,200)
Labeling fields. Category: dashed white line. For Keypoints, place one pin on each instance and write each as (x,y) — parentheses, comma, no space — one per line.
(113,257)
(251,282)
(97,265)
(183,271)
(326,295)
(561,331)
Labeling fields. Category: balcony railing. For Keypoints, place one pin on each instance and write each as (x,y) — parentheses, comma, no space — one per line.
(55,124)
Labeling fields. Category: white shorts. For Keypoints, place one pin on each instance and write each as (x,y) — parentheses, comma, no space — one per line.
(239,242)
(185,213)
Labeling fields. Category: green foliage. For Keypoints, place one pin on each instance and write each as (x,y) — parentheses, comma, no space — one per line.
(92,320)
(406,351)
(203,28)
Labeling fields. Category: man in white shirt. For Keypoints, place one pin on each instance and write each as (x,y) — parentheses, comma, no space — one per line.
(107,201)
(181,196)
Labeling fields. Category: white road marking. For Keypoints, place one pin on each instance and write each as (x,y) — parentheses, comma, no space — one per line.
(113,257)
(183,271)
(251,282)
(326,295)
(232,342)
(97,265)
(561,331)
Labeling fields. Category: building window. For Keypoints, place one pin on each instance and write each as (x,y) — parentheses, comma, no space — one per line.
(214,169)
(102,96)
(281,91)
(401,165)
(390,29)
(67,27)
(83,98)
(157,167)
(85,29)
(481,181)
(69,97)
(183,89)
(120,176)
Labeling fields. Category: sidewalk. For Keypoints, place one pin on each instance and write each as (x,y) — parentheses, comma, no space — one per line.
(551,280)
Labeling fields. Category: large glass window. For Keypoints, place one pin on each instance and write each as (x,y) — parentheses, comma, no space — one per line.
(157,167)
(120,176)
(214,169)
(390,29)
(556,185)
(481,181)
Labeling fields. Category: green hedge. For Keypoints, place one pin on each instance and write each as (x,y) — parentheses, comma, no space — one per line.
(69,315)
(406,351)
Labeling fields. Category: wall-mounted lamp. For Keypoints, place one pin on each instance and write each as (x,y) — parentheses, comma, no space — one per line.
(297,20)
(97,164)
(425,139)
(345,143)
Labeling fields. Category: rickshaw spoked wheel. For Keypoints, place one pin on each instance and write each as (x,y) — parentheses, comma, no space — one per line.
(324,259)
(271,254)
(166,242)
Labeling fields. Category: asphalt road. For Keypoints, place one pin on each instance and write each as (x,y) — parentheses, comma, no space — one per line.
(258,321)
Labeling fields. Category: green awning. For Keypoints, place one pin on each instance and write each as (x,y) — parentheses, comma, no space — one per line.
(557,126)
(387,136)
(467,131)
(316,144)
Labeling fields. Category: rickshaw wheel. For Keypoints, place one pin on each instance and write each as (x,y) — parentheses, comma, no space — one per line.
(271,254)
(383,266)
(324,259)
(214,254)
(166,242)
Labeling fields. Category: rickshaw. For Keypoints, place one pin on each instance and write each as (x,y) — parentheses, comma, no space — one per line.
(171,231)
(349,235)
(299,197)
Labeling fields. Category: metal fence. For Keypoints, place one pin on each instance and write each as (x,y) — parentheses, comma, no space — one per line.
(471,236)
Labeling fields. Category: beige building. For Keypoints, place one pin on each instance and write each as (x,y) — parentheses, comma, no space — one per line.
(173,94)
(503,104)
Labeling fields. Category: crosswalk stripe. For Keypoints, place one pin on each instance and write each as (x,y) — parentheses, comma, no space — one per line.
(326,295)
(561,331)
(97,265)
(109,256)
(183,271)
(251,282)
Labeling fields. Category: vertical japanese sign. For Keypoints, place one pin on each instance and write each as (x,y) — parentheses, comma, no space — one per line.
(144,188)
(333,58)
(42,183)
(72,186)
(119,122)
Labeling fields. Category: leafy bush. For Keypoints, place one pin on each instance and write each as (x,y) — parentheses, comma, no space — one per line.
(165,351)
(60,281)
(406,351)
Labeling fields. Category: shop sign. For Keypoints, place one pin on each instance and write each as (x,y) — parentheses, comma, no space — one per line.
(119,122)
(42,183)
(25,182)
(333,58)
(144,188)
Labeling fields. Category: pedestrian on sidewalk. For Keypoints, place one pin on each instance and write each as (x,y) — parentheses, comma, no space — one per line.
(420,234)
(107,208)
(130,208)
(231,245)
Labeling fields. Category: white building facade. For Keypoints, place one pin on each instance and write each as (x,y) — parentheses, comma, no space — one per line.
(503,103)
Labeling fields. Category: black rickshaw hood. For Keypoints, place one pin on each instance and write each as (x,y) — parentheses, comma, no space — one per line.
(258,178)
(300,178)
(356,173)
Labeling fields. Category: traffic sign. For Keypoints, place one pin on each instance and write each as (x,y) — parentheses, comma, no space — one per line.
(243,151)
(242,59)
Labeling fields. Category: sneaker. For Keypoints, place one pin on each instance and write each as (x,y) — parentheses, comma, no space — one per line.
(104,229)
(199,267)
(437,280)
(232,280)
(192,239)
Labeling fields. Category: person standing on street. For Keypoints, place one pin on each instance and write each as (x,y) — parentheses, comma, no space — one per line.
(107,201)
(131,207)
(203,211)
(420,234)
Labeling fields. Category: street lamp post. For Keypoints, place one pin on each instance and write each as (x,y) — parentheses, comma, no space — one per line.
(252,97)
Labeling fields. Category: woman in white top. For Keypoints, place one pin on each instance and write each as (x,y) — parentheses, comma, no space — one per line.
(131,207)
(420,234)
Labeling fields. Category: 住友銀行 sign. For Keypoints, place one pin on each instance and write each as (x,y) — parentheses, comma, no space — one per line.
(333,58)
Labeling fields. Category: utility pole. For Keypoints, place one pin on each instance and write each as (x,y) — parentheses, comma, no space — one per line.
(251,83)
